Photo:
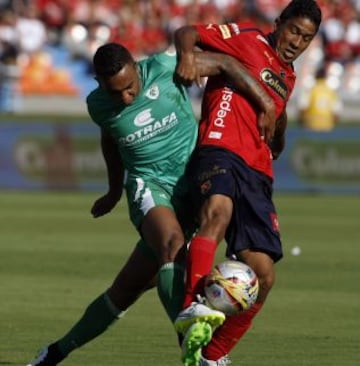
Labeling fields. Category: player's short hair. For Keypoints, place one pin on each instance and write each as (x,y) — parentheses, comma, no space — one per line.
(110,58)
(302,8)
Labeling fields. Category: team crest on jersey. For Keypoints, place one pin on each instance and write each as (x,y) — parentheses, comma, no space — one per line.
(274,82)
(153,92)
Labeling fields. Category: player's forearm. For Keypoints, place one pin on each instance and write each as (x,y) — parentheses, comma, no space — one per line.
(185,39)
(113,162)
(277,143)
(244,82)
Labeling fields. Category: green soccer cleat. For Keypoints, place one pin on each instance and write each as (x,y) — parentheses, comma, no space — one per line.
(195,313)
(197,336)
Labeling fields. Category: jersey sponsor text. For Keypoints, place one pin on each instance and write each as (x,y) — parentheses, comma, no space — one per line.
(274,82)
(150,130)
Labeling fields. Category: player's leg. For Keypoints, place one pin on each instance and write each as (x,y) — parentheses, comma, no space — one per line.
(253,236)
(212,191)
(234,327)
(103,311)
(153,214)
(162,232)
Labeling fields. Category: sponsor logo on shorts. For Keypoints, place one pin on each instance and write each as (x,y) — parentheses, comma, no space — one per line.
(225,31)
(274,82)
(216,170)
(205,187)
(274,222)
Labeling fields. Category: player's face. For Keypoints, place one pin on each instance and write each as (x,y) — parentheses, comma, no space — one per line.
(293,37)
(124,86)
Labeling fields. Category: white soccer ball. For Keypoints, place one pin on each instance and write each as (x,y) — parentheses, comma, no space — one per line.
(231,287)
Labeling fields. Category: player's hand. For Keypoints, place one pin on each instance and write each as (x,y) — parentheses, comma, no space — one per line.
(186,70)
(267,121)
(104,205)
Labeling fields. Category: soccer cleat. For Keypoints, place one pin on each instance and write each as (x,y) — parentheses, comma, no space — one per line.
(198,313)
(223,361)
(198,335)
(48,356)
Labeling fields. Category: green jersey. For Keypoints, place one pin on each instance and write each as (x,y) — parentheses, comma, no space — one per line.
(157,132)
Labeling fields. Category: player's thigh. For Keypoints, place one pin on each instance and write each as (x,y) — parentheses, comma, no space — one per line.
(162,232)
(152,211)
(215,215)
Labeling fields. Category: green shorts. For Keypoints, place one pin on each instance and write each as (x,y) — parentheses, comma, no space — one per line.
(145,193)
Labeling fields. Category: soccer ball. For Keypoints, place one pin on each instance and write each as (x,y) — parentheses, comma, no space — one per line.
(231,287)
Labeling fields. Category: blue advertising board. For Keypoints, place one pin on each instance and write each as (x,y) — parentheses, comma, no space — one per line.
(51,156)
(320,161)
(68,156)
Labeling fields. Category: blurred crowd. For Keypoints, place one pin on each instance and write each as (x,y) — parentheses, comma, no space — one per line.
(27,27)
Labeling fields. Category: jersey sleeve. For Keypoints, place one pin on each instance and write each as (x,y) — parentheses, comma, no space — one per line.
(219,37)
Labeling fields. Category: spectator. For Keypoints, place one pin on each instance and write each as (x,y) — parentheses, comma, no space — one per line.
(319,108)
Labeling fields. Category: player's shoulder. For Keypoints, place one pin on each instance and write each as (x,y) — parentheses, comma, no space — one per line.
(165,59)
(95,99)
(232,29)
(100,106)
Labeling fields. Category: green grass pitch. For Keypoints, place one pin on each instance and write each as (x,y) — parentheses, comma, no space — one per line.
(55,259)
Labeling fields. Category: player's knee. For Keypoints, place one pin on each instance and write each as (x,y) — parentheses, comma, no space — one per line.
(266,282)
(214,224)
(172,245)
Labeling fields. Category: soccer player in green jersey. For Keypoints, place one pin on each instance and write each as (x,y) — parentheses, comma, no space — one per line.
(148,132)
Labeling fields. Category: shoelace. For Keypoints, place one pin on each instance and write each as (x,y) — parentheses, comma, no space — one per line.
(201,299)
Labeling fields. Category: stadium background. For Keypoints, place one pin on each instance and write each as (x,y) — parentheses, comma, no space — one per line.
(54,258)
(46,46)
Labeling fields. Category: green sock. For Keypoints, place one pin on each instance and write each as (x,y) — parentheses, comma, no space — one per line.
(98,316)
(171,288)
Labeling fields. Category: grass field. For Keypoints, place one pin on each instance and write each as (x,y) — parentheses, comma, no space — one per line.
(55,258)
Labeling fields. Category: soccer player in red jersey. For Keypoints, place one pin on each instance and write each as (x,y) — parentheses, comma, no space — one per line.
(231,168)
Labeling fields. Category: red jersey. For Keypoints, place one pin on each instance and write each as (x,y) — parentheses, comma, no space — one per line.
(228,119)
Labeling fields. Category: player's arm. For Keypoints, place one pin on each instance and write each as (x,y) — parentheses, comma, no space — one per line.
(210,64)
(115,174)
(188,70)
(277,144)
(185,39)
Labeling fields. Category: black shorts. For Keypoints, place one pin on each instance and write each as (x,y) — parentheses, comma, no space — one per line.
(254,224)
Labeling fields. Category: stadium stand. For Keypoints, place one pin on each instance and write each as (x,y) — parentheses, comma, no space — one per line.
(46,46)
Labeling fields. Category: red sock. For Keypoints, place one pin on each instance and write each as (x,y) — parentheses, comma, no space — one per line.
(200,258)
(226,337)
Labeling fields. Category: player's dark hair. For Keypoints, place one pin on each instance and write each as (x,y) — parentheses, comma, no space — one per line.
(302,8)
(110,58)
